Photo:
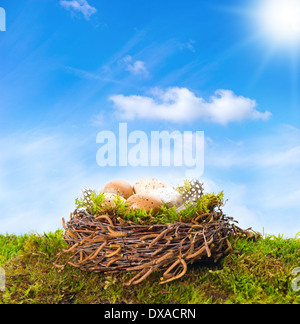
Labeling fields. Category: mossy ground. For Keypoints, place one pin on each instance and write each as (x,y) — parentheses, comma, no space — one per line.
(260,273)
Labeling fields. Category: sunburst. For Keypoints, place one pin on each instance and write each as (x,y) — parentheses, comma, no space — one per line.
(279,22)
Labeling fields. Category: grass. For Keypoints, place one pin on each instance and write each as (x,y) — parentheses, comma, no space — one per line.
(260,273)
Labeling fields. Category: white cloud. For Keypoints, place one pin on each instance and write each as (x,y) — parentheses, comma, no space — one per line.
(135,67)
(284,158)
(188,45)
(259,176)
(182,105)
(276,150)
(41,174)
(80,6)
(240,206)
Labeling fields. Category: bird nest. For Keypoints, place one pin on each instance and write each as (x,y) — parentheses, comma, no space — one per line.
(110,245)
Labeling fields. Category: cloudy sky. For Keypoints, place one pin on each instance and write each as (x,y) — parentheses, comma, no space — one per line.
(71,69)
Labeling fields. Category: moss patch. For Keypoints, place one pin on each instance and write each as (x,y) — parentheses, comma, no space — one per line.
(260,273)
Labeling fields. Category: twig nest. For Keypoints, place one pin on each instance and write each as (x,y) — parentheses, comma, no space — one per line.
(146,186)
(109,200)
(120,187)
(168,196)
(145,202)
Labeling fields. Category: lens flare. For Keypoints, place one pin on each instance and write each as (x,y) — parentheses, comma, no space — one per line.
(279,21)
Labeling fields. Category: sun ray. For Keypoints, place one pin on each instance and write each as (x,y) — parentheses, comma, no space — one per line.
(261,68)
(294,75)
(279,22)
(276,24)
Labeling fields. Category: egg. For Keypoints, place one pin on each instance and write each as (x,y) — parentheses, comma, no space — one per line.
(169,196)
(146,186)
(145,202)
(108,200)
(120,187)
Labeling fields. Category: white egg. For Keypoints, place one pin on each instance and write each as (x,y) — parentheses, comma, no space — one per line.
(145,186)
(169,196)
(108,200)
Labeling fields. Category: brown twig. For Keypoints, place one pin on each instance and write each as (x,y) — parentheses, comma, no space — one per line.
(108,245)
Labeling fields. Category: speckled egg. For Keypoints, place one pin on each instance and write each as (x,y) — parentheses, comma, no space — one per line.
(146,186)
(169,196)
(145,202)
(108,201)
(120,187)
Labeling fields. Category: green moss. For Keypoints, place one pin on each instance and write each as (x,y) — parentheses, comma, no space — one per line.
(10,246)
(96,206)
(260,273)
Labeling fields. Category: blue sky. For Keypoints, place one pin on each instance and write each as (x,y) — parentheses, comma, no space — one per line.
(70,69)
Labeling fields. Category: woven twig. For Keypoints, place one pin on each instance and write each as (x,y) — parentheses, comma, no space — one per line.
(105,245)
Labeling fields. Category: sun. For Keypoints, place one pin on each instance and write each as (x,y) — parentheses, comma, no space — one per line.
(279,21)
